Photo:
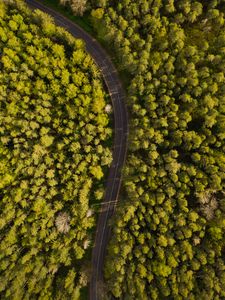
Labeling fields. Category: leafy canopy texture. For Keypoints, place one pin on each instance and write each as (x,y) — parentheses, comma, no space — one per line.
(169,236)
(54,137)
(78,6)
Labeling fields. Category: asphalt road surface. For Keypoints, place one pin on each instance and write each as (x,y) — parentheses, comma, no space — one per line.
(113,183)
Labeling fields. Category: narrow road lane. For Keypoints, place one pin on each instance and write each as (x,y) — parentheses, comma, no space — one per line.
(113,184)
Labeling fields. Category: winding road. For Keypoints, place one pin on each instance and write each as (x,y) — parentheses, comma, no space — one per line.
(113,184)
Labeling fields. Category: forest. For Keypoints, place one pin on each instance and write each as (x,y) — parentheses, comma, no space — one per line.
(168,233)
(168,237)
(55,149)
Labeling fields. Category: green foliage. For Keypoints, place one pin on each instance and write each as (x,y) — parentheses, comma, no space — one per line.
(78,6)
(53,151)
(97,13)
(174,178)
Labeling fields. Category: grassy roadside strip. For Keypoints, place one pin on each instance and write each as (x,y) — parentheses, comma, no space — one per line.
(83,22)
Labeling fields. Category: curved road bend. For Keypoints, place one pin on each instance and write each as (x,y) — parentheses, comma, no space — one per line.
(113,184)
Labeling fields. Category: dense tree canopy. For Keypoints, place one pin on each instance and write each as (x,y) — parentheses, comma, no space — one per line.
(54,137)
(169,236)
